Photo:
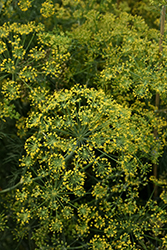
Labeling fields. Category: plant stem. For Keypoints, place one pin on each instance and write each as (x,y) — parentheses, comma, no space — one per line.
(157,97)
(118,2)
(10,188)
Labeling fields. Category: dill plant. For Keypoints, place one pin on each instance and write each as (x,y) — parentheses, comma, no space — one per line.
(83,167)
(88,152)
(25,60)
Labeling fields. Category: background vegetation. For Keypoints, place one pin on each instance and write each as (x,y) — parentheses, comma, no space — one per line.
(83,125)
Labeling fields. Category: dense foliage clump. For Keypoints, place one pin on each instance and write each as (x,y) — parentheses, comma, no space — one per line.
(81,132)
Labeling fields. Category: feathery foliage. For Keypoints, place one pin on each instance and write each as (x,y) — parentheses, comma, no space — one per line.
(78,84)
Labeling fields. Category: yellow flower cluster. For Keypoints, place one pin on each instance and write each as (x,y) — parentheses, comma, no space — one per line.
(85,144)
(24,5)
(86,101)
(47,9)
(10,90)
(158,2)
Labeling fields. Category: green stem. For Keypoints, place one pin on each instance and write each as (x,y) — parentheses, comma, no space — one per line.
(10,188)
(118,2)
(108,156)
(78,247)
(30,41)
(34,179)
(19,183)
